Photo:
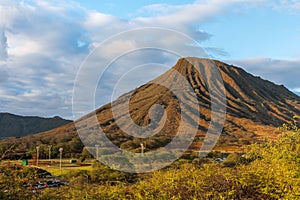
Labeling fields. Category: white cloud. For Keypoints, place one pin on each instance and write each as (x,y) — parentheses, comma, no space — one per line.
(292,6)
(189,14)
(3,74)
(296,90)
(42,44)
(286,72)
(3,45)
(96,19)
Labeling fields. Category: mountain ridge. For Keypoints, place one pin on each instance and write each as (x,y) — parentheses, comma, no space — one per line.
(255,108)
(12,125)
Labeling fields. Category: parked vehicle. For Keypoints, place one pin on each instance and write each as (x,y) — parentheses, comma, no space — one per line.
(42,185)
(52,183)
(46,184)
(220,159)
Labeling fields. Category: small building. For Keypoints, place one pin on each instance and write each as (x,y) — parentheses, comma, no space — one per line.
(73,161)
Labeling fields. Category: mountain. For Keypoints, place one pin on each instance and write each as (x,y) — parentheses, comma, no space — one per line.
(17,126)
(254,106)
(254,109)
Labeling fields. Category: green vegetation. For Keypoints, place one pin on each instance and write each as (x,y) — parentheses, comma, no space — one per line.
(26,148)
(14,178)
(67,168)
(267,171)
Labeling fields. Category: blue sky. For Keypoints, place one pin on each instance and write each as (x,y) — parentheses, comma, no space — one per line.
(276,28)
(126,9)
(260,32)
(44,42)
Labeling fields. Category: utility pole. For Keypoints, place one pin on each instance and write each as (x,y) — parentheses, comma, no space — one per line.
(37,155)
(60,157)
(97,151)
(142,149)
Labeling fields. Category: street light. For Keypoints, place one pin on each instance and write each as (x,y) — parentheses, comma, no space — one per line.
(50,146)
(97,151)
(37,155)
(60,157)
(142,151)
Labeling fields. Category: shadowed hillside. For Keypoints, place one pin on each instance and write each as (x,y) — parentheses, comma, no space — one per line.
(18,126)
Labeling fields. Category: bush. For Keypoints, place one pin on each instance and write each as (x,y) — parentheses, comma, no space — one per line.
(267,171)
(233,160)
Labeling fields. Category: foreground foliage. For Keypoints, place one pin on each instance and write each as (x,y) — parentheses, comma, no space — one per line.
(267,171)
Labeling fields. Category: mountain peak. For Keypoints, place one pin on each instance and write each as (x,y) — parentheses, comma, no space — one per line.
(255,107)
(246,94)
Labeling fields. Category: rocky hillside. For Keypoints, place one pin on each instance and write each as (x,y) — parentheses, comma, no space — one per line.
(254,109)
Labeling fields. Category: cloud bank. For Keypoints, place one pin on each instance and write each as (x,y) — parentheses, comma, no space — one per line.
(281,72)
(43,43)
(3,45)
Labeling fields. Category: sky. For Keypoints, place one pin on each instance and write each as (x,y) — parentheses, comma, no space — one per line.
(45,43)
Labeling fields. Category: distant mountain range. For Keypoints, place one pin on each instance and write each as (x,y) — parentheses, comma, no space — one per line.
(17,126)
(255,108)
